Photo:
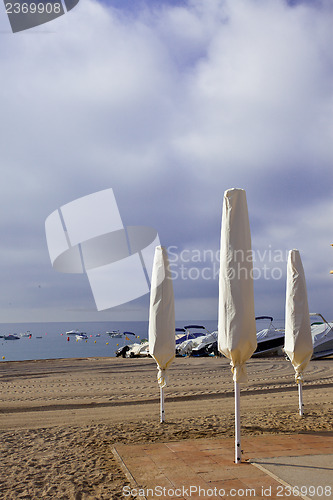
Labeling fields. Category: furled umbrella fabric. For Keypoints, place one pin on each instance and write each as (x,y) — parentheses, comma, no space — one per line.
(237,338)
(162,343)
(298,343)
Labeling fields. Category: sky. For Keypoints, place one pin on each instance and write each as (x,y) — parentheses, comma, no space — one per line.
(169,103)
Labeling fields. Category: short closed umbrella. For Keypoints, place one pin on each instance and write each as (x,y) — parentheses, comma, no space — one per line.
(162,341)
(298,344)
(237,338)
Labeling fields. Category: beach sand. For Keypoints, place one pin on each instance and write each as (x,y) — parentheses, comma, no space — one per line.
(60,418)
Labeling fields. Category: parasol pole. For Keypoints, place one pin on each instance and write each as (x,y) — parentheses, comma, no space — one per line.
(238,451)
(162,419)
(300,398)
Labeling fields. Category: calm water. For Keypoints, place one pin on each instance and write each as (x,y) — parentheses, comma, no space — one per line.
(49,340)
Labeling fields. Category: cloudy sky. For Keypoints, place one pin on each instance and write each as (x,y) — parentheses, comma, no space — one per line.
(169,103)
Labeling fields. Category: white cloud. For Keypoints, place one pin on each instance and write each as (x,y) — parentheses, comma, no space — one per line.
(169,106)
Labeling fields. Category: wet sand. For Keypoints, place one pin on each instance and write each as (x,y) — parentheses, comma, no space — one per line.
(60,418)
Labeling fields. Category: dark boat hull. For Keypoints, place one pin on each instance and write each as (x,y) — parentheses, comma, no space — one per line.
(269,346)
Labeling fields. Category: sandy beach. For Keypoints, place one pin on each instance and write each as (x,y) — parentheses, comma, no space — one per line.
(60,418)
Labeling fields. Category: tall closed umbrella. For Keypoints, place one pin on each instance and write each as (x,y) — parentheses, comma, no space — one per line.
(298,343)
(237,338)
(162,342)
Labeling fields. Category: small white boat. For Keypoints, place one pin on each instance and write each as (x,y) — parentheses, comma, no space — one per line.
(27,334)
(322,337)
(81,336)
(116,334)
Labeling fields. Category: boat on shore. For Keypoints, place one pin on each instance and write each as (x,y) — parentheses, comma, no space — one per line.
(205,345)
(193,339)
(138,350)
(270,340)
(322,337)
(186,333)
(123,350)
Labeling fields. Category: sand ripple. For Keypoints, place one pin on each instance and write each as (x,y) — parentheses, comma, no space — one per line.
(60,418)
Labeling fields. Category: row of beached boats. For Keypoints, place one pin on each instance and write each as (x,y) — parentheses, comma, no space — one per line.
(196,340)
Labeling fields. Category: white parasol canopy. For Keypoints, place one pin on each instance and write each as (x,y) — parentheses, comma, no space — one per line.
(162,341)
(237,338)
(298,343)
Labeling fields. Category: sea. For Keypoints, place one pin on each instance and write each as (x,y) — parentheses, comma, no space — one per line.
(50,341)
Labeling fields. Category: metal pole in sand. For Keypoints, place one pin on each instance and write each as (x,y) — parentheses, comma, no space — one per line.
(300,398)
(238,451)
(162,419)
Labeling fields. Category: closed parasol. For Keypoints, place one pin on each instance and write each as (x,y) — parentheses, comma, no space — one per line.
(162,342)
(237,338)
(298,343)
